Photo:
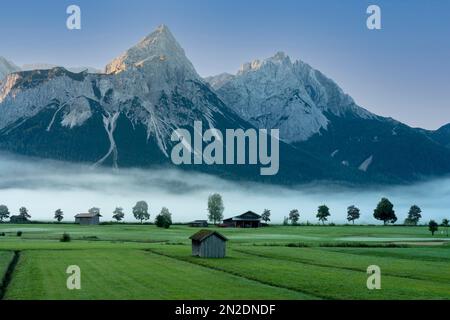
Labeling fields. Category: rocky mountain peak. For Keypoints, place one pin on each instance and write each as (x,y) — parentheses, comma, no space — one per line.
(159,51)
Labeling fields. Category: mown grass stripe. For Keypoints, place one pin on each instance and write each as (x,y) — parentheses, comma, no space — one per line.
(308,262)
(8,274)
(267,283)
(387,254)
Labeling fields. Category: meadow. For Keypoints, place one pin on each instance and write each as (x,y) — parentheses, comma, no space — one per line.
(125,261)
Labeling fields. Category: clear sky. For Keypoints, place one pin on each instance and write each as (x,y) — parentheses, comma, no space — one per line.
(402,71)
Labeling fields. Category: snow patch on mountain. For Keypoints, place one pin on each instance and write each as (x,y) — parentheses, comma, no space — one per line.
(78,112)
(109,122)
(365,165)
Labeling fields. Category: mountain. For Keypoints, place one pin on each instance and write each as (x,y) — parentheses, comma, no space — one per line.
(7,67)
(315,115)
(48,66)
(122,118)
(125,117)
(442,135)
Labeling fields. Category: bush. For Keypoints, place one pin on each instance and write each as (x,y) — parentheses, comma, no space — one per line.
(91,238)
(361,245)
(2,234)
(164,219)
(19,233)
(297,245)
(65,237)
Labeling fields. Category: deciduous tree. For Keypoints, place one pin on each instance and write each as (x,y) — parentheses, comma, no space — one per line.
(385,211)
(353,213)
(215,208)
(323,213)
(140,211)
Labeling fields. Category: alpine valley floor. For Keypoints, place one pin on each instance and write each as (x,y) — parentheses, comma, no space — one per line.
(125,261)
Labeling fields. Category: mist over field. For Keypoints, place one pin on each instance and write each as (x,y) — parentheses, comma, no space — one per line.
(44,186)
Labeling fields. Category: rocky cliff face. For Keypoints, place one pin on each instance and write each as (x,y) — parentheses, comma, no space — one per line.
(291,96)
(126,116)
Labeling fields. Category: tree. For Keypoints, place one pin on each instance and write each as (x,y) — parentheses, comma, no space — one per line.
(323,213)
(23,212)
(164,219)
(445,223)
(433,227)
(285,221)
(140,211)
(414,216)
(4,212)
(294,216)
(118,214)
(215,208)
(94,210)
(385,212)
(353,213)
(266,215)
(59,215)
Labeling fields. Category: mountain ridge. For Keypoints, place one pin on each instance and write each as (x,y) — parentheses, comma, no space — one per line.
(125,117)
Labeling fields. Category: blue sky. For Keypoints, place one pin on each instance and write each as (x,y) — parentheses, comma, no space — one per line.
(402,71)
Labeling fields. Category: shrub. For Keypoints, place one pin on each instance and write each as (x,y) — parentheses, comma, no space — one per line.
(164,219)
(297,245)
(2,234)
(65,237)
(91,238)
(19,233)
(362,245)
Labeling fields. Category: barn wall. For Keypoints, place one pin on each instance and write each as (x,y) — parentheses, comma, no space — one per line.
(213,247)
(195,248)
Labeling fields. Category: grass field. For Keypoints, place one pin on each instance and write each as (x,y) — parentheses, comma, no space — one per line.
(305,262)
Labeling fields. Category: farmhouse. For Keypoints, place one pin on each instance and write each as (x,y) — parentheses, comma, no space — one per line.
(87,218)
(246,220)
(199,224)
(18,219)
(208,244)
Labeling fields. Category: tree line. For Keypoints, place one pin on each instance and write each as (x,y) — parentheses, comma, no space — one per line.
(140,212)
(383,212)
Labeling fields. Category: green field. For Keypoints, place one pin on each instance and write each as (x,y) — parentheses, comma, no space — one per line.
(304,262)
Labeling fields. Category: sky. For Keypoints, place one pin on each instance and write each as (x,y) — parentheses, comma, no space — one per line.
(401,71)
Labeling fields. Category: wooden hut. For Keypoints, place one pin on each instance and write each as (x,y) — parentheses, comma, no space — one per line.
(199,224)
(87,219)
(209,244)
(246,220)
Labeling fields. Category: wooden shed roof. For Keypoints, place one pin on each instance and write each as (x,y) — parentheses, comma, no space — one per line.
(248,216)
(87,215)
(204,234)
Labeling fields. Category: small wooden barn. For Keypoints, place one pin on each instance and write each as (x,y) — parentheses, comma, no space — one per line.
(246,220)
(209,244)
(199,224)
(18,219)
(87,219)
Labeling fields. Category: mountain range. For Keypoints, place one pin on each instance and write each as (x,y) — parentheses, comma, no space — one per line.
(124,117)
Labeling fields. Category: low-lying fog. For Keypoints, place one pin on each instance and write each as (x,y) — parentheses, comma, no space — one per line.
(44,186)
